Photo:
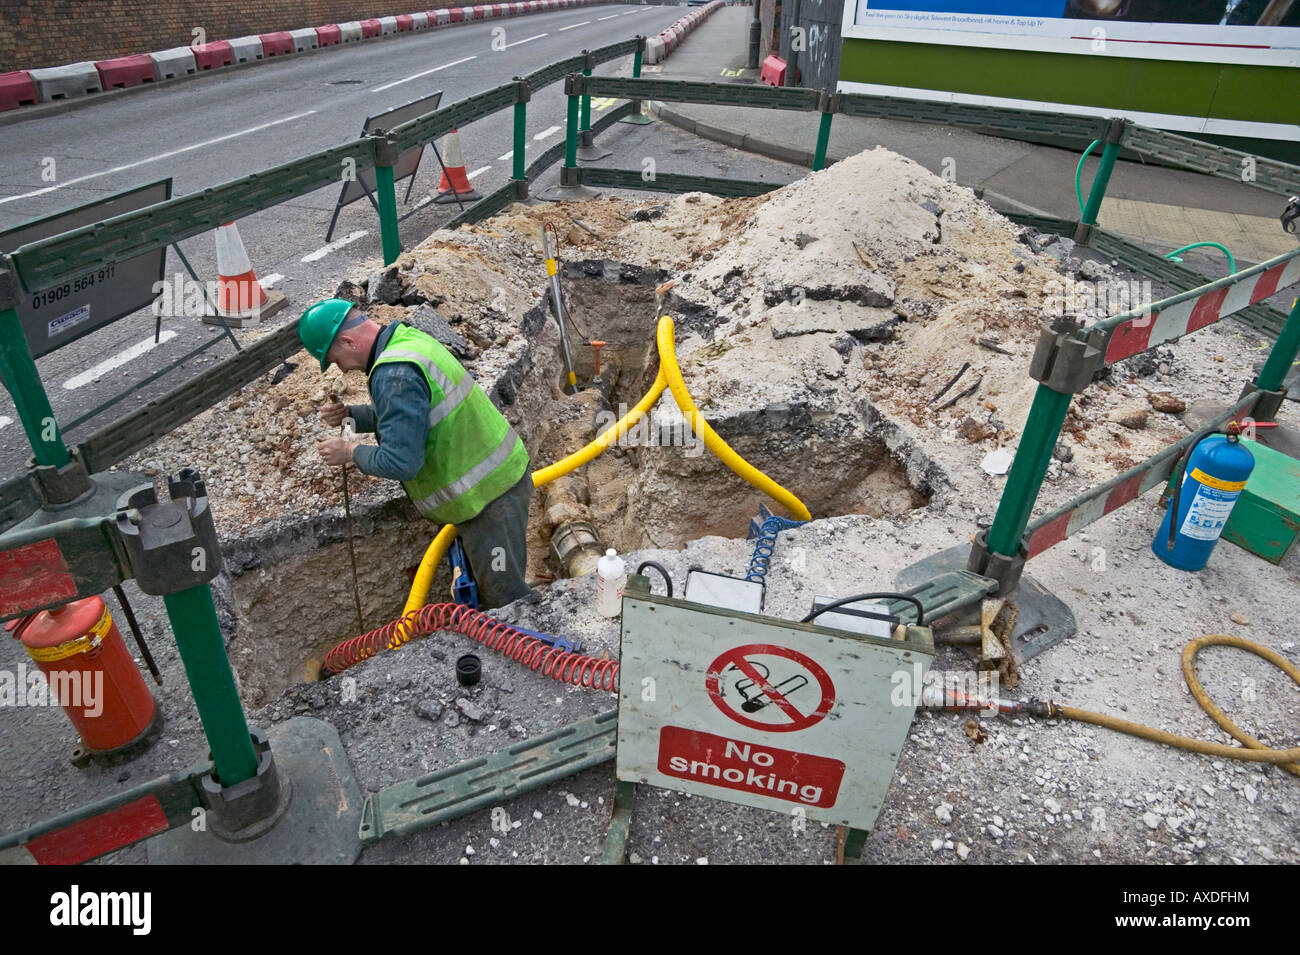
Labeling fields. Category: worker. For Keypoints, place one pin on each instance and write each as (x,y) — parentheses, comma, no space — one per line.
(439,434)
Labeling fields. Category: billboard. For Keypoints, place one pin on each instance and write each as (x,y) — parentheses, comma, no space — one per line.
(1255,32)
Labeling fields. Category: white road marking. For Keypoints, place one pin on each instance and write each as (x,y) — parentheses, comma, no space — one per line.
(610,17)
(334,246)
(529,40)
(416,76)
(548,131)
(166,155)
(572,25)
(479,171)
(270,280)
(5,421)
(95,372)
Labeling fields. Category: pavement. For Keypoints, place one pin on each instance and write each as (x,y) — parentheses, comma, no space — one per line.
(1161,207)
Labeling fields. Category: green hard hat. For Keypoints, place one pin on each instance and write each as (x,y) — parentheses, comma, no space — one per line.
(320,323)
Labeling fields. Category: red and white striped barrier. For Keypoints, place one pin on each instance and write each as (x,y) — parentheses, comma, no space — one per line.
(29,87)
(1157,326)
(658,47)
(1068,520)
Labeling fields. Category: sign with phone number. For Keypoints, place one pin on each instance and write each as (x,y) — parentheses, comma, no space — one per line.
(55,316)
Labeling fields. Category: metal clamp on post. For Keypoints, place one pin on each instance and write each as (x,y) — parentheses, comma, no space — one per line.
(523,92)
(828,102)
(171,546)
(1267,403)
(1005,570)
(386,151)
(1064,362)
(251,808)
(573,84)
(61,486)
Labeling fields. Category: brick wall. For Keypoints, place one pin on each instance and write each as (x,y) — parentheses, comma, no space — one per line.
(36,33)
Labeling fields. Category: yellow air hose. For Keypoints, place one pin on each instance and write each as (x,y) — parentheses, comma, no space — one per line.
(1254,751)
(668,366)
(670,376)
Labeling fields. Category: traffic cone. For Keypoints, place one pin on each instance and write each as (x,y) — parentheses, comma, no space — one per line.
(241,300)
(453,161)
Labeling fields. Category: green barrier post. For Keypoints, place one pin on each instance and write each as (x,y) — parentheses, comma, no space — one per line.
(198,637)
(1283,354)
(571,124)
(1033,454)
(386,153)
(828,103)
(637,118)
(24,383)
(519,171)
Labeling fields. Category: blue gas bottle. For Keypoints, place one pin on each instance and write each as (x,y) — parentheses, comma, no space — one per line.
(1213,481)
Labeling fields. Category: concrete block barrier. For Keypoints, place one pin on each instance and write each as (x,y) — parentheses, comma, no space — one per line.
(350,31)
(123,71)
(304,39)
(65,82)
(213,56)
(276,44)
(17,89)
(246,49)
(169,64)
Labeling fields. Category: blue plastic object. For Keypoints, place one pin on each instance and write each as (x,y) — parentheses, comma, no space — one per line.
(1215,476)
(463,589)
(763,530)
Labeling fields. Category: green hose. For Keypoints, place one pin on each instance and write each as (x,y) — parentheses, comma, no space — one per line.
(1232,263)
(1078,173)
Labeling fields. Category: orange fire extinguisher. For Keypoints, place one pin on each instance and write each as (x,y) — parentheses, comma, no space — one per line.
(90,674)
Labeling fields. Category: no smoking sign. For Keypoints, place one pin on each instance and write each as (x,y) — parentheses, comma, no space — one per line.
(754,710)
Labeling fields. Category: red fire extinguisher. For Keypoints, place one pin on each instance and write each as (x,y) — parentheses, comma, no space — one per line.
(90,674)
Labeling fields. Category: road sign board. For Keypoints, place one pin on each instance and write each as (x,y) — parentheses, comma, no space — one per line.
(763,712)
(63,313)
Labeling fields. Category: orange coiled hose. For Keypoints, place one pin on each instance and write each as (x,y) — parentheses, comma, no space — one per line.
(573,668)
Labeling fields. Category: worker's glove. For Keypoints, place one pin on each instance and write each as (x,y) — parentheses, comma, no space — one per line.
(333,413)
(335,451)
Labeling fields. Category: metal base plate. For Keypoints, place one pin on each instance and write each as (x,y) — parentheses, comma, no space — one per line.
(1043,619)
(563,193)
(275,301)
(592,153)
(320,826)
(637,119)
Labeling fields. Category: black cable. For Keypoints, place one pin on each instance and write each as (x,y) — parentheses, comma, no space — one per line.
(668,580)
(920,610)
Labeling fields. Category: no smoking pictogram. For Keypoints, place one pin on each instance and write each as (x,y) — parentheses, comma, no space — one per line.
(767,687)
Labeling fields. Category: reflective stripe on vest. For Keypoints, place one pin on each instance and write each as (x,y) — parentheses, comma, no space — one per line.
(475,474)
(453,395)
(471,455)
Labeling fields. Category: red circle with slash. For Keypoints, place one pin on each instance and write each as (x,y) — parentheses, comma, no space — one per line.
(797,718)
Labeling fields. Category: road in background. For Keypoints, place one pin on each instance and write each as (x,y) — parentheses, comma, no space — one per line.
(216,128)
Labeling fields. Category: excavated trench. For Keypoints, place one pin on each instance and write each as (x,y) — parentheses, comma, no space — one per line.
(289,594)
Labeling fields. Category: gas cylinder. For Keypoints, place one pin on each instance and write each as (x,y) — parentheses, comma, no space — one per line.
(91,674)
(1215,476)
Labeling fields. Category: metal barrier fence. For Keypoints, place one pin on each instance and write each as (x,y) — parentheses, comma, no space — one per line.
(1067,358)
(47,263)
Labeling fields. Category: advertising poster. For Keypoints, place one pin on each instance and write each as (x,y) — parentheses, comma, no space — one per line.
(1262,32)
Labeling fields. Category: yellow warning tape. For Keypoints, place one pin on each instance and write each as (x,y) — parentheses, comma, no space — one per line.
(1217,483)
(83,644)
(550,267)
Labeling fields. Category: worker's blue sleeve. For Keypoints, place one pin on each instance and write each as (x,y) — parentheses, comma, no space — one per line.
(363,417)
(401,402)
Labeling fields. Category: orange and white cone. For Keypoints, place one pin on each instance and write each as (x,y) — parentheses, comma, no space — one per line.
(240,296)
(453,161)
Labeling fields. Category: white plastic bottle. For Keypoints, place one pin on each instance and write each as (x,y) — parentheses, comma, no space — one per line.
(611,579)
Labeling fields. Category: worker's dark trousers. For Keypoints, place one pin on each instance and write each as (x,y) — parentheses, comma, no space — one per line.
(494,542)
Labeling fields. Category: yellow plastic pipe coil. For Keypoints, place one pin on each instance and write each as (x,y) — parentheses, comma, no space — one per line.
(670,377)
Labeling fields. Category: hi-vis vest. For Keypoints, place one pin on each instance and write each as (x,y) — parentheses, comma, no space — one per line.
(472,455)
